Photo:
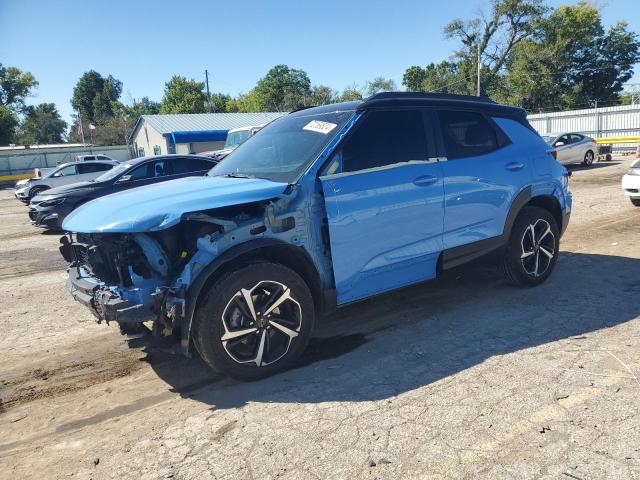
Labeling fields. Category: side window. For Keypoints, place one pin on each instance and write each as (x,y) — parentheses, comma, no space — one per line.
(188,165)
(149,170)
(466,134)
(156,149)
(92,168)
(66,171)
(385,138)
(575,138)
(564,139)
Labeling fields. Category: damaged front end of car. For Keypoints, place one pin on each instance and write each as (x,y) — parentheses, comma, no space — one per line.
(130,277)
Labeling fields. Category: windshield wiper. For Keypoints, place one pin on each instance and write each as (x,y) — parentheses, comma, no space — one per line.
(237,175)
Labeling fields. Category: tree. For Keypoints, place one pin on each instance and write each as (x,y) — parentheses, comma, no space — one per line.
(15,86)
(282,89)
(42,125)
(8,124)
(350,94)
(94,96)
(380,84)
(322,95)
(183,96)
(413,78)
(572,63)
(219,102)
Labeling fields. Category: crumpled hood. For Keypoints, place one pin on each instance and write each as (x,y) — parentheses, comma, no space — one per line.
(161,205)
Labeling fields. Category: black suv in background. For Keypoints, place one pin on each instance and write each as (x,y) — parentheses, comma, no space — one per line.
(50,208)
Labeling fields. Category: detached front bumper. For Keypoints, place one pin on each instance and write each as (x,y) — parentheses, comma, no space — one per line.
(104,303)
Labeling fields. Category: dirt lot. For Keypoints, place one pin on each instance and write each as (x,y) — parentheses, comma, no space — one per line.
(463,377)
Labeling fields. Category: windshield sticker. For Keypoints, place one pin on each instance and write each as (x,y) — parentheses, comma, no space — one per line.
(319,126)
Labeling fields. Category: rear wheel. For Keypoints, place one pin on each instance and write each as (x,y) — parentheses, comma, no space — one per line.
(255,321)
(635,201)
(532,250)
(588,158)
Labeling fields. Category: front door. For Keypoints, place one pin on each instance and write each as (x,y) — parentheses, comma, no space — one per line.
(384,202)
(563,148)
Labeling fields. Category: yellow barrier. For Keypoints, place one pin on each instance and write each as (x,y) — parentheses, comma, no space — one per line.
(612,140)
(6,178)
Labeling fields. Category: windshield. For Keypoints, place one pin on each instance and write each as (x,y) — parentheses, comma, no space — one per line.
(549,140)
(234,139)
(281,151)
(114,172)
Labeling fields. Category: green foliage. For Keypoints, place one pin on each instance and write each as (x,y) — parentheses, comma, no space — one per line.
(219,102)
(8,124)
(42,125)
(281,89)
(350,94)
(322,95)
(15,86)
(573,62)
(183,96)
(380,84)
(94,96)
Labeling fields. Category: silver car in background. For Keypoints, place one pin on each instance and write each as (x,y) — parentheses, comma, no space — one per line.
(63,175)
(572,147)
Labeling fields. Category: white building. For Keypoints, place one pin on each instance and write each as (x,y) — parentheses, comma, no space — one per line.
(191,132)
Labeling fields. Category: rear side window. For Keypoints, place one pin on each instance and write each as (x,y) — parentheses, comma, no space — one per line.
(575,138)
(153,169)
(384,138)
(93,167)
(188,165)
(466,134)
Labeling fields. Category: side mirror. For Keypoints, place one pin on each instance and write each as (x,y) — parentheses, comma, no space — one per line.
(558,144)
(124,179)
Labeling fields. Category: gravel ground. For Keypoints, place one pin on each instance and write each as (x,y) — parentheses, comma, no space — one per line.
(463,377)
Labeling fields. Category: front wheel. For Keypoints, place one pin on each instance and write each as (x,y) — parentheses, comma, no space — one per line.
(254,321)
(532,250)
(588,158)
(635,201)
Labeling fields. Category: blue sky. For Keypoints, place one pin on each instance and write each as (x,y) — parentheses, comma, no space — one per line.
(144,42)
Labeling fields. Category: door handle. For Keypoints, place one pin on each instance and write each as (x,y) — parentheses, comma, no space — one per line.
(425,180)
(514,166)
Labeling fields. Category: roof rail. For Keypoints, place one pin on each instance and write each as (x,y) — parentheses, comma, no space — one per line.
(425,96)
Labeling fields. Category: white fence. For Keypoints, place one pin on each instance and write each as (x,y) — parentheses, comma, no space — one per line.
(620,121)
(16,161)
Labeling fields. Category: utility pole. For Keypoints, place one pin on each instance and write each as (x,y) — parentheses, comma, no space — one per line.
(206,76)
(479,68)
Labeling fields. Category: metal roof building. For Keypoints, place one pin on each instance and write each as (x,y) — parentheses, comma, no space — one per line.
(190,133)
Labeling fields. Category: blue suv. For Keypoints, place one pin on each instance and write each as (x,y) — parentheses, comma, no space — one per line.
(323,207)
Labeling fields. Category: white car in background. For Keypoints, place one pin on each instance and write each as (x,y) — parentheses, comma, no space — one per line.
(631,183)
(65,174)
(235,138)
(572,147)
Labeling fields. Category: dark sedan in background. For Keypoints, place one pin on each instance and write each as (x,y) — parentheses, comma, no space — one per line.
(50,208)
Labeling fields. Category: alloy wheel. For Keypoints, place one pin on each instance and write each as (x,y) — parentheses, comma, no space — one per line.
(588,158)
(259,324)
(538,248)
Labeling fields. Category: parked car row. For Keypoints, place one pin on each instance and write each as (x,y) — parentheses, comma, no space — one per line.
(54,196)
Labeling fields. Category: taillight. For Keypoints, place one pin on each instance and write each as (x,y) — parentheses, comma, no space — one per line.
(554,154)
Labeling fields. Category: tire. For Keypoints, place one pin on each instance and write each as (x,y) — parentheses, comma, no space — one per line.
(35,191)
(525,264)
(635,201)
(266,346)
(588,158)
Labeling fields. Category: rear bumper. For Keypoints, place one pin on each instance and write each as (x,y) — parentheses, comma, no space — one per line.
(104,303)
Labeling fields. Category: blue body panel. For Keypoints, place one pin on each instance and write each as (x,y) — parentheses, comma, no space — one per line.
(161,205)
(385,227)
(479,190)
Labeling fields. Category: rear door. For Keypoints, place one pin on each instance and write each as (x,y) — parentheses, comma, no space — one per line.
(482,175)
(562,146)
(383,196)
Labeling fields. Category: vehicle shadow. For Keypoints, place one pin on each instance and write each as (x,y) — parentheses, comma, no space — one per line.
(576,167)
(414,337)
